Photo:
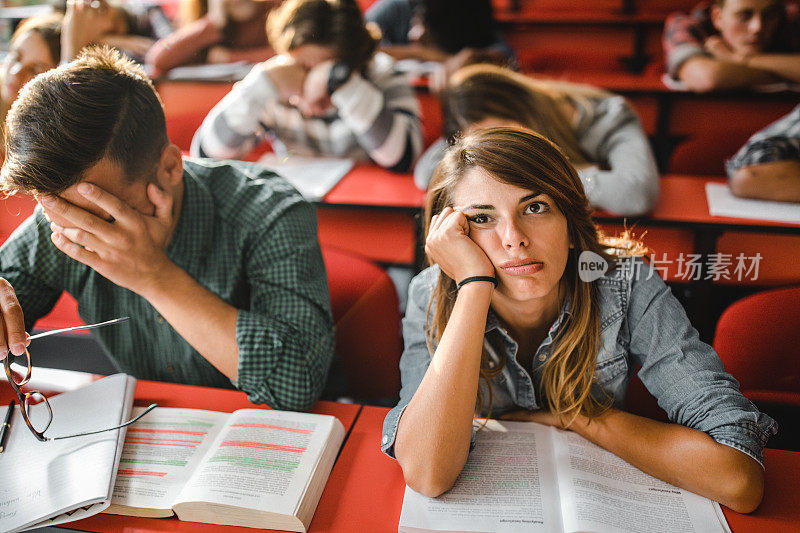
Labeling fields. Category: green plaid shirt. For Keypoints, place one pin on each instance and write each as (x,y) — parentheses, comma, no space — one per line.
(244,234)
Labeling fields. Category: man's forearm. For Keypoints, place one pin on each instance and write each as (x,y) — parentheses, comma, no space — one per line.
(202,318)
(784,65)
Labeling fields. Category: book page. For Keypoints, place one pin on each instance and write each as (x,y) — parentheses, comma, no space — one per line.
(160,453)
(601,492)
(507,485)
(261,460)
(43,480)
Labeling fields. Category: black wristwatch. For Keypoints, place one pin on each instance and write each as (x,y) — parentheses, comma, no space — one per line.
(339,74)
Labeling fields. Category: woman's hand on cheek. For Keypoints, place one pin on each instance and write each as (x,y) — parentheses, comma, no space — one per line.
(449,245)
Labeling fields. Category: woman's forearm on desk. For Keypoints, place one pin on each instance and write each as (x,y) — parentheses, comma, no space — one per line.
(434,432)
(679,455)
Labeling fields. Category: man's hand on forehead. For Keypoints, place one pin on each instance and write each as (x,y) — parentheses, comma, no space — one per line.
(128,248)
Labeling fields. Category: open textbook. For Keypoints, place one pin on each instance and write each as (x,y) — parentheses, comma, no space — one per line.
(525,477)
(253,467)
(49,483)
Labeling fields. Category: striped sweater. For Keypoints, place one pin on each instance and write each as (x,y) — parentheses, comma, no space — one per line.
(376,118)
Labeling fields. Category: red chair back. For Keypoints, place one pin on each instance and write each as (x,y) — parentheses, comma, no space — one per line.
(758,340)
(366,310)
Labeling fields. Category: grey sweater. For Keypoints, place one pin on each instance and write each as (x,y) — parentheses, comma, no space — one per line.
(610,134)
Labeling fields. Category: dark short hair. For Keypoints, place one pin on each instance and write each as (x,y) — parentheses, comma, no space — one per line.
(335,23)
(67,119)
(457,24)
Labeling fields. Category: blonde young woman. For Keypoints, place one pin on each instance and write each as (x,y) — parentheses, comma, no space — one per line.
(598,131)
(503,322)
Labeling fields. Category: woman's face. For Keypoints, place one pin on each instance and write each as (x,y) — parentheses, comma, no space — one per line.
(522,232)
(29,56)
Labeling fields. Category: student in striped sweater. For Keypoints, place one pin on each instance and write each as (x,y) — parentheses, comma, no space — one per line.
(327,92)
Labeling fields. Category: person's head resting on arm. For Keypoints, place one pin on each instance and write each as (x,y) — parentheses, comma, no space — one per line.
(96,120)
(480,96)
(521,202)
(310,38)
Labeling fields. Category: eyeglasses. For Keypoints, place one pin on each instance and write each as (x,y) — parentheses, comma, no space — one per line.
(35,409)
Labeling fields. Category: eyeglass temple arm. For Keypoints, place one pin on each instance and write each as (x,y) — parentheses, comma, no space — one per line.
(128,423)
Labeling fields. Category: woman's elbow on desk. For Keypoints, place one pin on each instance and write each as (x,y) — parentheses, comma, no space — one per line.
(744,485)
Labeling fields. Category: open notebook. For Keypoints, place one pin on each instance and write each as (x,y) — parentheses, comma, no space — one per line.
(313,177)
(49,483)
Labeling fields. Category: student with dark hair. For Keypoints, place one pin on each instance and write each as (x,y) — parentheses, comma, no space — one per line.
(218,264)
(767,167)
(729,44)
(35,47)
(453,32)
(327,93)
(504,324)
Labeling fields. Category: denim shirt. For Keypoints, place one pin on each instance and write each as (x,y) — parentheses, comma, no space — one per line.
(641,323)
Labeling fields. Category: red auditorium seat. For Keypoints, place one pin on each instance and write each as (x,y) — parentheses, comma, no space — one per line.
(366,312)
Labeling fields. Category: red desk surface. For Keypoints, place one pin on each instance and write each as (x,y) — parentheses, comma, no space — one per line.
(175,395)
(368,488)
(371,185)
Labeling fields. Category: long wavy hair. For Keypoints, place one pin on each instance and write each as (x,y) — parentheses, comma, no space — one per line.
(477,92)
(526,159)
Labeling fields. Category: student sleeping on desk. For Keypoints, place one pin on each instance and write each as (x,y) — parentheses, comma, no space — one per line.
(504,325)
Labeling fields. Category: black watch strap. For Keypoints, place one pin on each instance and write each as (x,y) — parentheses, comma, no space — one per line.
(339,74)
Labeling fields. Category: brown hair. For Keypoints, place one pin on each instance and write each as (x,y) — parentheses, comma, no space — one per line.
(525,159)
(49,29)
(67,119)
(477,92)
(335,23)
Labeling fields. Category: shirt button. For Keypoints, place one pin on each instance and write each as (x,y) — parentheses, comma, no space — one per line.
(491,364)
(542,356)
(385,439)
(160,319)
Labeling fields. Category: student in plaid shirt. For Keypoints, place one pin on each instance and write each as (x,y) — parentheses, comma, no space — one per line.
(729,44)
(768,165)
(327,93)
(217,263)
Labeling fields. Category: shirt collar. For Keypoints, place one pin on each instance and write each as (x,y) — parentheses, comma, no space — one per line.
(192,238)
(493,322)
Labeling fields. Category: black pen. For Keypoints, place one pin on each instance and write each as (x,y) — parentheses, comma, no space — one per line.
(5,429)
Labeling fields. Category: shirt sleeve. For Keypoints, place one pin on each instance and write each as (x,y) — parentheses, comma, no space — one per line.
(30,262)
(285,336)
(682,40)
(427,163)
(186,45)
(232,128)
(685,374)
(780,141)
(416,358)
(384,116)
(615,139)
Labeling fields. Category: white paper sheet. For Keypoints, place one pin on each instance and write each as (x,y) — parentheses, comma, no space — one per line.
(313,177)
(722,203)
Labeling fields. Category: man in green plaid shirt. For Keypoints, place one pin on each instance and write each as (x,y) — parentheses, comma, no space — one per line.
(217,263)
